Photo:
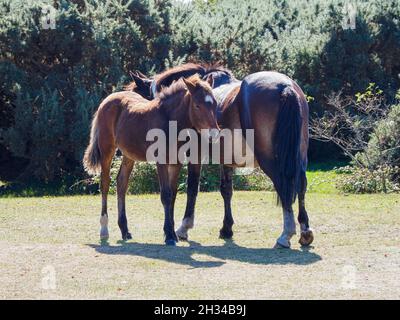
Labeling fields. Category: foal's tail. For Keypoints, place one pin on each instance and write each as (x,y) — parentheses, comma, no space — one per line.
(91,159)
(287,148)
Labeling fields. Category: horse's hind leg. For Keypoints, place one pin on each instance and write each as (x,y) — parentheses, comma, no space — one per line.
(104,187)
(122,186)
(226,189)
(289,228)
(289,223)
(192,191)
(307,236)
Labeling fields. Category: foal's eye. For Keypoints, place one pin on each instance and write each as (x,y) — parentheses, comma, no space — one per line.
(197,106)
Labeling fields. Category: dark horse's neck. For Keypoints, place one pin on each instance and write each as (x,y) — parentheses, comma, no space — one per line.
(176,108)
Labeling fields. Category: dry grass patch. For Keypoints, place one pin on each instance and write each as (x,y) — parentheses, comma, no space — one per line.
(356,252)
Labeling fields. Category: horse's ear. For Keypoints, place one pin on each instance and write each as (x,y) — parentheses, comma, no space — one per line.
(140,74)
(133,74)
(140,82)
(190,85)
(210,80)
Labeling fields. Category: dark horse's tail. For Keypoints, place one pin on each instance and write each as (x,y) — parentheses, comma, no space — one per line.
(91,159)
(287,148)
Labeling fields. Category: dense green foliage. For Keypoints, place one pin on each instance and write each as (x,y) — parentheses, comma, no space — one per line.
(52,80)
(384,146)
(378,166)
(353,179)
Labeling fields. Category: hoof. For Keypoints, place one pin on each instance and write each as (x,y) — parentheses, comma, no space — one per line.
(170,242)
(104,234)
(306,238)
(127,236)
(225,233)
(281,246)
(104,237)
(182,234)
(283,242)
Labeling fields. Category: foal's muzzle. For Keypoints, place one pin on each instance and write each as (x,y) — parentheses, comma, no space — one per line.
(213,135)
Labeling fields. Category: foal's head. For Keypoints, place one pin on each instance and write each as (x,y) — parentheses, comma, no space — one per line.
(202,108)
(195,96)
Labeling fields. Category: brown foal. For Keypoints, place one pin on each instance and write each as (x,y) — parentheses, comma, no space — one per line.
(123,120)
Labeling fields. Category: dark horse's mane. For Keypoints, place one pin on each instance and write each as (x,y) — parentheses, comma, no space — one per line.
(218,68)
(168,77)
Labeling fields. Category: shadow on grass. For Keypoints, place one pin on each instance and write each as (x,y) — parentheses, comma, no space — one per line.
(229,251)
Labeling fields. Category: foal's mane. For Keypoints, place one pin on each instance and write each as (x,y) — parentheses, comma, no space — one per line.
(179,86)
(167,77)
(131,86)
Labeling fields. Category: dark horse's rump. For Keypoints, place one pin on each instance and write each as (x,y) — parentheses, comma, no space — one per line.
(270,102)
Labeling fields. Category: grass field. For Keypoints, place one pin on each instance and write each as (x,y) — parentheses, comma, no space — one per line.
(356,252)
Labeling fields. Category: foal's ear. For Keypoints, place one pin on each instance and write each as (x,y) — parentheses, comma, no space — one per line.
(190,85)
(210,80)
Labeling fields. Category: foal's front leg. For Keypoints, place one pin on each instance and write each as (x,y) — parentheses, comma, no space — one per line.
(168,178)
(193,180)
(226,189)
(122,186)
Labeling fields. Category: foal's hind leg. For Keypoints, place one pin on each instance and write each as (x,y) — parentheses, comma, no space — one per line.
(192,191)
(104,187)
(307,236)
(226,189)
(122,186)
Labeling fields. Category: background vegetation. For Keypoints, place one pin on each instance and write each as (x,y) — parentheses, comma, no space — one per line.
(52,80)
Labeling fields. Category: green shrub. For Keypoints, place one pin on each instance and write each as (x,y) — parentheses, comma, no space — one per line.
(51,81)
(384,146)
(353,179)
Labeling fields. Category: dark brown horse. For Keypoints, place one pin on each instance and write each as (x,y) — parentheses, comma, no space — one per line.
(123,121)
(275,107)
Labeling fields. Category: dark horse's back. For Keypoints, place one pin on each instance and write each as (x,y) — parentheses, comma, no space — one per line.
(276,108)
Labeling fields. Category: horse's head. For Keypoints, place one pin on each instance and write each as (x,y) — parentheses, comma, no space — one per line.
(203,105)
(141,85)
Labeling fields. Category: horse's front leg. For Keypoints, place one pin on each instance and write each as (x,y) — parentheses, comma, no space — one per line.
(168,178)
(193,180)
(226,189)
